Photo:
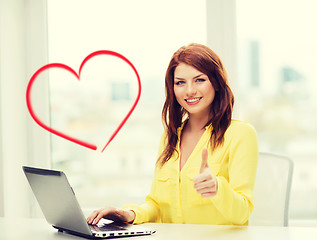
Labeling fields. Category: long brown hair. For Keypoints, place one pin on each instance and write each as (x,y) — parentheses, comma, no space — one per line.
(206,61)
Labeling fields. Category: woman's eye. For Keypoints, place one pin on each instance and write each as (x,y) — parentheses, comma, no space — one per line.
(179,82)
(201,80)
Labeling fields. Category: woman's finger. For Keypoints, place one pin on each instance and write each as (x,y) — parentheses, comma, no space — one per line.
(209,194)
(206,190)
(98,217)
(92,216)
(205,175)
(95,217)
(205,184)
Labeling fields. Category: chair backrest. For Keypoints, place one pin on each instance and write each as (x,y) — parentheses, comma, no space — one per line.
(272,190)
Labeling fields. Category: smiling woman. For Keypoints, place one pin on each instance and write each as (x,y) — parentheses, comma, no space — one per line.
(202,151)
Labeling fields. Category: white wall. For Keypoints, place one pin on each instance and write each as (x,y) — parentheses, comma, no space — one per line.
(23,44)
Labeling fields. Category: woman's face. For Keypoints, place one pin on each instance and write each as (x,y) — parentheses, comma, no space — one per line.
(193,90)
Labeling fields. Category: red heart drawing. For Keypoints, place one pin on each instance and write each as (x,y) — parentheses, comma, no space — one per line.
(67,68)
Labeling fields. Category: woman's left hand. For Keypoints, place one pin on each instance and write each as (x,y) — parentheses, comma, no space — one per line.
(205,183)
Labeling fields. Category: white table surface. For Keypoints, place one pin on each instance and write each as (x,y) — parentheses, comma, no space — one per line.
(39,229)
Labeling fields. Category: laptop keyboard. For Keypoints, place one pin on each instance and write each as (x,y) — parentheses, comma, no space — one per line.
(109,227)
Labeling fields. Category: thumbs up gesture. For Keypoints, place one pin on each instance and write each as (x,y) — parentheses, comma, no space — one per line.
(205,183)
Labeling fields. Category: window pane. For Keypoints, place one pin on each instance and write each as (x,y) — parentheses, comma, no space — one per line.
(277,85)
(147,33)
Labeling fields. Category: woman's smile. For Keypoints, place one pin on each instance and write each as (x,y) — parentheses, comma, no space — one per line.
(193,101)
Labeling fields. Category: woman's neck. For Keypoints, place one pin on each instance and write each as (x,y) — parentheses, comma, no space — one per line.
(196,123)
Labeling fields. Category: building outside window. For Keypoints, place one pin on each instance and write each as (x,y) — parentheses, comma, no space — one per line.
(277,87)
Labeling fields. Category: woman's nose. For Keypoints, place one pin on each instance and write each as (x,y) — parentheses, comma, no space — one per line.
(190,90)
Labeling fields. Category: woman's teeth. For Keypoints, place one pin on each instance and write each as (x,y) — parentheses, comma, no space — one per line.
(192,100)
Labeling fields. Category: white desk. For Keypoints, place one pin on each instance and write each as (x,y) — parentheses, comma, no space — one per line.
(39,229)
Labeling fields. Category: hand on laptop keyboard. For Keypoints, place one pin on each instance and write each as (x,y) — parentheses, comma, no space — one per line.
(111,213)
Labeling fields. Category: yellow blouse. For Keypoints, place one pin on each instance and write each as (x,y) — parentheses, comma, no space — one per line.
(173,199)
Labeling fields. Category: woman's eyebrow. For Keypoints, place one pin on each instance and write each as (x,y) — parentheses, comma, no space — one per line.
(198,76)
(179,78)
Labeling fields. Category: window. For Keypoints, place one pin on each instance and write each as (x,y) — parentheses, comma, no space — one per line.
(147,33)
(277,85)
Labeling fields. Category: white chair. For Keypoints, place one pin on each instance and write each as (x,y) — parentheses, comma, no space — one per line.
(272,190)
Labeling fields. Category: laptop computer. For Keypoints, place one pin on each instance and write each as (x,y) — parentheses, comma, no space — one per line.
(61,208)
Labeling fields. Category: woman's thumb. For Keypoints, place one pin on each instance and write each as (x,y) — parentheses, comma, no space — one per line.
(204,156)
